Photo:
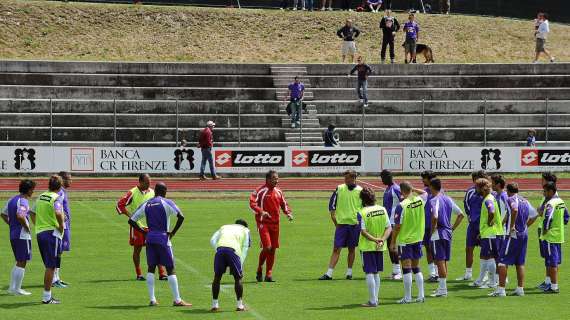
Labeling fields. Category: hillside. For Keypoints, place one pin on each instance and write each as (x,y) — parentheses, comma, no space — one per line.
(76,31)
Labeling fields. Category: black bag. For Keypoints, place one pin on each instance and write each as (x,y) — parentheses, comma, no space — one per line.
(288,109)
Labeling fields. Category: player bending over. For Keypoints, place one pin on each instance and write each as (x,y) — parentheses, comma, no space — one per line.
(407,238)
(513,251)
(16,214)
(231,243)
(552,234)
(391,199)
(158,212)
(441,207)
(375,229)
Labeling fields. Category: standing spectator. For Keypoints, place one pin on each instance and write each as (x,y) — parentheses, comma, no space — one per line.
(295,94)
(531,138)
(541,34)
(346,5)
(412,30)
(296,4)
(444,6)
(374,5)
(324,5)
(330,137)
(309,4)
(205,143)
(387,4)
(348,34)
(389,26)
(283,4)
(364,71)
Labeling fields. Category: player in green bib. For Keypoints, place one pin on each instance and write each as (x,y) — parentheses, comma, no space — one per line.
(407,237)
(49,220)
(552,233)
(375,228)
(344,205)
(490,228)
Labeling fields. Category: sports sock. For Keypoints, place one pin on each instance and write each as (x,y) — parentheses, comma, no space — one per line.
(483,270)
(377,282)
(371,288)
(13,279)
(150,285)
(19,278)
(407,283)
(396,269)
(349,271)
(501,290)
(46,296)
(442,284)
(269,265)
(173,283)
(432,269)
(262,258)
(240,304)
(330,272)
(554,286)
(419,283)
(138,271)
(469,272)
(215,303)
(491,268)
(547,280)
(55,275)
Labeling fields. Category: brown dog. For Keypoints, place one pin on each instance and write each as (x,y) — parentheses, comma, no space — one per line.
(424,50)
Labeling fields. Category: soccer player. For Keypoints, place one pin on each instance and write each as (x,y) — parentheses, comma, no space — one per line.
(16,214)
(407,238)
(490,226)
(66,245)
(498,186)
(127,206)
(441,208)
(547,177)
(49,220)
(267,202)
(513,252)
(375,228)
(158,212)
(472,205)
(392,197)
(231,243)
(552,234)
(344,205)
(427,176)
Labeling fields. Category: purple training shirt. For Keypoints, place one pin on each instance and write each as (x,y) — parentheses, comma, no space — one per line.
(157,211)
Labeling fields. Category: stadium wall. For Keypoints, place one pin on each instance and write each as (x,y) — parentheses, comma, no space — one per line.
(294,160)
(524,9)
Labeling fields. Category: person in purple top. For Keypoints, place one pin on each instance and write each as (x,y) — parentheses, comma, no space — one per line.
(498,185)
(295,95)
(16,214)
(472,207)
(158,212)
(412,33)
(513,252)
(427,176)
(65,244)
(392,198)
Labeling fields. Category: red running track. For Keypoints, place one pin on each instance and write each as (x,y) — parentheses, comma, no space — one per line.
(246,184)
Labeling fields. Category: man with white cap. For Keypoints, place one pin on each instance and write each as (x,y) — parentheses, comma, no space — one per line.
(205,143)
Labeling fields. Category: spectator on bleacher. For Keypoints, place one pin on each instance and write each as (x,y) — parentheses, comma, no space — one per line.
(364,71)
(531,138)
(330,137)
(297,5)
(541,34)
(412,31)
(374,5)
(348,34)
(389,25)
(295,95)
(206,143)
(444,6)
(346,5)
(283,4)
(324,5)
(309,5)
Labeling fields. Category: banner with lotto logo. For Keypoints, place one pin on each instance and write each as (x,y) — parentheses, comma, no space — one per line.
(249,160)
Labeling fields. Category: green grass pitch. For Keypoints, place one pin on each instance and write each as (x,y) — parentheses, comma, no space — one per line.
(100,271)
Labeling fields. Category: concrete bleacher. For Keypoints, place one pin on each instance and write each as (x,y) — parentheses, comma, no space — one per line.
(102,103)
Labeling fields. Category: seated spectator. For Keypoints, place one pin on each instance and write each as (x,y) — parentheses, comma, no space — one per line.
(330,137)
(531,138)
(374,5)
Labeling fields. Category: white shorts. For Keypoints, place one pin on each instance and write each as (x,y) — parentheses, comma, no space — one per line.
(348,47)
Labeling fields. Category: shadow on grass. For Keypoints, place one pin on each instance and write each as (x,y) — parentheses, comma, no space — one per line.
(122,307)
(205,311)
(5,288)
(340,307)
(111,280)
(18,305)
(325,281)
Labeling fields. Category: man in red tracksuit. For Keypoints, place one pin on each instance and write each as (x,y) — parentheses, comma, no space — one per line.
(267,202)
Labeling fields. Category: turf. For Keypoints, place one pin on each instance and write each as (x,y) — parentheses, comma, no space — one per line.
(100,271)
(79,31)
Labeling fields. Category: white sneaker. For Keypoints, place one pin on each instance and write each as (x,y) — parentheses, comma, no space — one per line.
(480,285)
(465,277)
(330,9)
(294,9)
(420,300)
(517,293)
(366,105)
(552,60)
(361,100)
(20,292)
(396,276)
(439,294)
(404,301)
(496,293)
(323,9)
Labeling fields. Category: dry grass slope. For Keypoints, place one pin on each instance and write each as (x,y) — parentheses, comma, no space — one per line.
(57,30)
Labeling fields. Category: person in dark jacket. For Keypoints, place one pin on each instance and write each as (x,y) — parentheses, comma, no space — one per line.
(348,34)
(206,143)
(364,71)
(389,26)
(330,137)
